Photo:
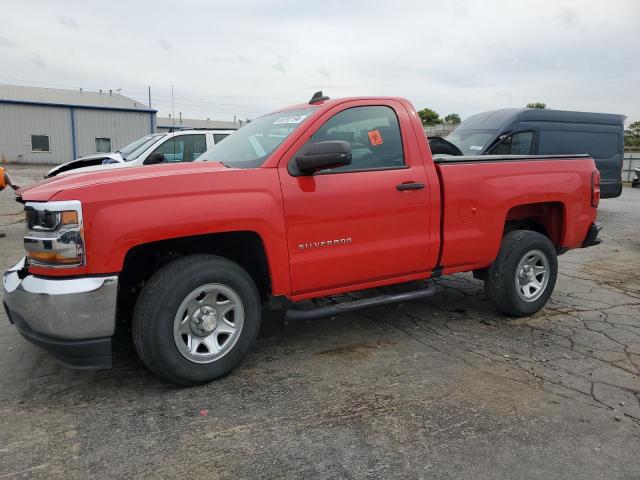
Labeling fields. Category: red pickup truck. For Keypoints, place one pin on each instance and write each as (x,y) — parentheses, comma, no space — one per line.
(311,201)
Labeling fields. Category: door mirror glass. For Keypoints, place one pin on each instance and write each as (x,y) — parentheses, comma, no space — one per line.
(321,156)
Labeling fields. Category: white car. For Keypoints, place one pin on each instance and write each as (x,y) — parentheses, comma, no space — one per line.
(180,146)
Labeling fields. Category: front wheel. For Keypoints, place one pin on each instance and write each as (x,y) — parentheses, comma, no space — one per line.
(522,278)
(195,319)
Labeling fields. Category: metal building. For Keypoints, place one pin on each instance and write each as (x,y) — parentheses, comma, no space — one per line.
(47,125)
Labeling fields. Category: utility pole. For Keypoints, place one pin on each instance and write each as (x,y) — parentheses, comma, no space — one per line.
(173,113)
(149,87)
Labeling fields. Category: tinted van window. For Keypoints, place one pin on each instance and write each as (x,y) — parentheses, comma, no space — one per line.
(598,145)
(516,144)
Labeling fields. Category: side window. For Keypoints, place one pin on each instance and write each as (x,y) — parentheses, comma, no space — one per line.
(199,146)
(516,144)
(172,149)
(599,145)
(183,148)
(374,135)
(103,145)
(218,137)
(521,143)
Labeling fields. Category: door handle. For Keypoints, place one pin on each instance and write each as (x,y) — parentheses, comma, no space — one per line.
(410,186)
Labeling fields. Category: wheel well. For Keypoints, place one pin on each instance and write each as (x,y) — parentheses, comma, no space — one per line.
(245,248)
(546,218)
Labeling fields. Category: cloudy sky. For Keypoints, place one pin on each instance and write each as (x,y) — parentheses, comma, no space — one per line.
(249,57)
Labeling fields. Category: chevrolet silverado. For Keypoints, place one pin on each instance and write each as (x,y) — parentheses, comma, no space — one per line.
(311,201)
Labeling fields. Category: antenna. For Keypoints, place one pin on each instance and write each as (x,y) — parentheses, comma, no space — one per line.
(318,97)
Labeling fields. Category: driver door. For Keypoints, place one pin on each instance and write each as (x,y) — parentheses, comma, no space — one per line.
(357,225)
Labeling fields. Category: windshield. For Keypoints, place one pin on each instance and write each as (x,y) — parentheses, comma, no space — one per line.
(471,142)
(250,146)
(141,148)
(124,151)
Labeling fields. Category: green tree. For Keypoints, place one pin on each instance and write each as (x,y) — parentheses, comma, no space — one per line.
(540,105)
(452,119)
(429,117)
(632,135)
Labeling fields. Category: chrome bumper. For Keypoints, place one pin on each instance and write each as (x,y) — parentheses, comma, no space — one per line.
(62,309)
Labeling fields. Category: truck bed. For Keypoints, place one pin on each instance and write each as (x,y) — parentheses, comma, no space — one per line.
(480,193)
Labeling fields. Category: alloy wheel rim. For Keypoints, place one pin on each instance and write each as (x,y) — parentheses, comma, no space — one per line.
(532,275)
(208,323)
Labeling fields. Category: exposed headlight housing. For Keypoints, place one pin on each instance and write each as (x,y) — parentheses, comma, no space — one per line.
(55,237)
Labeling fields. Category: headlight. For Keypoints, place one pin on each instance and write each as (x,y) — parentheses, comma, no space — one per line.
(55,237)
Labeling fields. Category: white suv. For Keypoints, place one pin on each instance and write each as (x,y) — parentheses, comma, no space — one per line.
(180,146)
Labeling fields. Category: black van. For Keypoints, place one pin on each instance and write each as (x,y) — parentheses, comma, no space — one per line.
(531,131)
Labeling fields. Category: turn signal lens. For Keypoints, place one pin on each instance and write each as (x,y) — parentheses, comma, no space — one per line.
(69,218)
(52,258)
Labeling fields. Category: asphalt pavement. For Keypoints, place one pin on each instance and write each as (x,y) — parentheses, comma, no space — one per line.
(443,388)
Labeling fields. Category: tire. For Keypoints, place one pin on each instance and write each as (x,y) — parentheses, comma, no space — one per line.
(528,253)
(635,183)
(195,319)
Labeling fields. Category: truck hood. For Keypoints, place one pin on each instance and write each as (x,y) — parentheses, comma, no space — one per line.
(88,161)
(45,190)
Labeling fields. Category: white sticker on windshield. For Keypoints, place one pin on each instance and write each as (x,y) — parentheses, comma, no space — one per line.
(291,119)
(475,147)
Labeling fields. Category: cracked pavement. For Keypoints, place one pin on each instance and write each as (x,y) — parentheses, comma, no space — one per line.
(439,388)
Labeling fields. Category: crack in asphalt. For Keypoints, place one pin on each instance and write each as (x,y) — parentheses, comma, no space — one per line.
(556,316)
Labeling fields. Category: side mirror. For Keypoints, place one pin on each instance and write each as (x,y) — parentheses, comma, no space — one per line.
(321,156)
(155,157)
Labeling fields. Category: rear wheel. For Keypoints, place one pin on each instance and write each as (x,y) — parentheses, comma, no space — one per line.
(522,278)
(195,319)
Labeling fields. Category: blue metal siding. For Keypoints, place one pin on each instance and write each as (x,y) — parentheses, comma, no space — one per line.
(74,147)
(85,107)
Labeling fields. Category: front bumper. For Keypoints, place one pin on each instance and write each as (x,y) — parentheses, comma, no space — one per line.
(72,318)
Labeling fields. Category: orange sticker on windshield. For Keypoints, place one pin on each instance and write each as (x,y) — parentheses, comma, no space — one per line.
(375,138)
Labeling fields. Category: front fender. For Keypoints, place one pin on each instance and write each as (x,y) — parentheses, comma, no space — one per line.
(119,216)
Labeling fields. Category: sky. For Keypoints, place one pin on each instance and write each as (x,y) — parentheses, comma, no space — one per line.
(247,58)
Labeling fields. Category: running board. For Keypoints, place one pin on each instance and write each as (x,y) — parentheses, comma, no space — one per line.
(344,307)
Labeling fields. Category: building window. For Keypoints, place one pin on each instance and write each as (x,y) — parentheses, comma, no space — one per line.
(103,145)
(40,143)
